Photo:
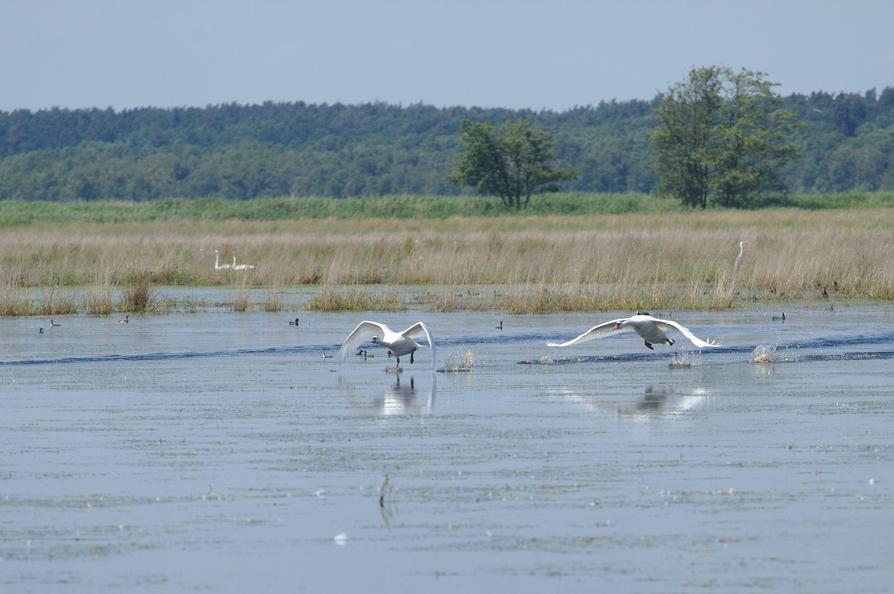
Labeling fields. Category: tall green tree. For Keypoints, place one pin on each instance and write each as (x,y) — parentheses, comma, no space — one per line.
(511,164)
(722,138)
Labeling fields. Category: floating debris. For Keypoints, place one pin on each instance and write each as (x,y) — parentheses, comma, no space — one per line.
(341,539)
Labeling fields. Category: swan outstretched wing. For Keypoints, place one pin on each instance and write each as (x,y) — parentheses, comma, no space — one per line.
(417,331)
(665,324)
(600,331)
(361,334)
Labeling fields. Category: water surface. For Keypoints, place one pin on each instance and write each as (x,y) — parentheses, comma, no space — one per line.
(222,452)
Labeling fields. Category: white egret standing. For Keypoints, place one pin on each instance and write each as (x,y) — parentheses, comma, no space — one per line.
(399,343)
(738,258)
(652,330)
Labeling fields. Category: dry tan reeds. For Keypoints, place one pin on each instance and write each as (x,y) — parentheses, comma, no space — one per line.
(240,294)
(57,301)
(140,298)
(672,260)
(99,299)
(331,298)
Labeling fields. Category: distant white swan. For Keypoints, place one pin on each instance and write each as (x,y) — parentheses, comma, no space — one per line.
(738,258)
(652,330)
(399,343)
(241,266)
(218,265)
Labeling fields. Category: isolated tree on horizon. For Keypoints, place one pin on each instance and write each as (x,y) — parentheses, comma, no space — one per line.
(722,138)
(511,164)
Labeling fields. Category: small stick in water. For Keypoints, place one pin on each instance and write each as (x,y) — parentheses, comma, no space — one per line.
(382,490)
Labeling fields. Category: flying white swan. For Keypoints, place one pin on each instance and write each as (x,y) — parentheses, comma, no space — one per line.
(738,258)
(651,329)
(241,266)
(399,343)
(218,265)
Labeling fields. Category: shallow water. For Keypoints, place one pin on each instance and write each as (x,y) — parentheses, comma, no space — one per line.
(221,452)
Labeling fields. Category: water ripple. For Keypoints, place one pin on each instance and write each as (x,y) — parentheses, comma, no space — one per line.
(507,339)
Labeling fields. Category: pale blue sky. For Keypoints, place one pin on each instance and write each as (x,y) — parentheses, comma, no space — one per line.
(536,54)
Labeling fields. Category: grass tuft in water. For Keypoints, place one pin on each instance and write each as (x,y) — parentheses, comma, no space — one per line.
(140,298)
(57,302)
(332,298)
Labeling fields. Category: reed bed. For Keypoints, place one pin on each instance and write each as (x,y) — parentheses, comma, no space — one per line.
(140,298)
(284,208)
(99,300)
(57,301)
(551,263)
(332,298)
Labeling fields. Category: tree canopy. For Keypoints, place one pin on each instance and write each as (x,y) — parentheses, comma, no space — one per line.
(512,164)
(272,149)
(722,136)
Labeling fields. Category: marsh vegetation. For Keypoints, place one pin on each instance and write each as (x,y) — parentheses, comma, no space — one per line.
(667,260)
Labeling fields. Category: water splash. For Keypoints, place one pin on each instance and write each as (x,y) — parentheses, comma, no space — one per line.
(461,365)
(685,360)
(764,353)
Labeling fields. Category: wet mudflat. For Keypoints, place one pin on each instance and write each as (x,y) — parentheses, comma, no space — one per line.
(222,452)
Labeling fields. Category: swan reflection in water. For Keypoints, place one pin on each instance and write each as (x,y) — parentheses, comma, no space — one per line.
(401,397)
(655,401)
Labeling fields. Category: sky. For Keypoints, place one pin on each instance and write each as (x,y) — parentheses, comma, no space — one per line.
(544,54)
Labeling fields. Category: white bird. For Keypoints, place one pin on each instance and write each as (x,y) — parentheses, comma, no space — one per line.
(241,266)
(652,330)
(399,343)
(218,265)
(738,258)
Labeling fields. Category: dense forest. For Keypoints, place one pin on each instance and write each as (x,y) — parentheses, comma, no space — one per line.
(276,149)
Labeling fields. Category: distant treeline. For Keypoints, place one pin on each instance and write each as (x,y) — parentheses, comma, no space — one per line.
(299,149)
